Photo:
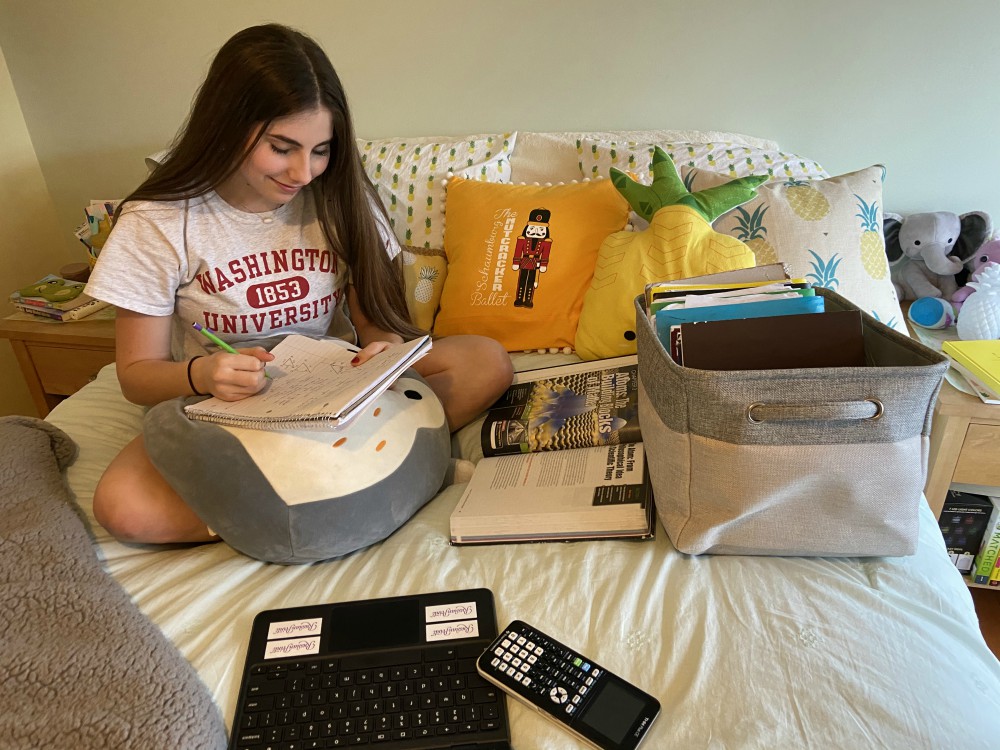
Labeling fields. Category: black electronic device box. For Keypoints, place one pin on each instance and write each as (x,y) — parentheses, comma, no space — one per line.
(597,706)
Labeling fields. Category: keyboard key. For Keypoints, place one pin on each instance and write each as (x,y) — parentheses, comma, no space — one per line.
(484,695)
(264,688)
(263,703)
(380,659)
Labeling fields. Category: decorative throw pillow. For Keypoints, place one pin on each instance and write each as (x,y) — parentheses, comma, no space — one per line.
(520,258)
(410,178)
(730,159)
(299,496)
(678,243)
(424,271)
(827,231)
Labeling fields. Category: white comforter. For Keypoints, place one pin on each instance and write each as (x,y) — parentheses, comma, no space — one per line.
(742,652)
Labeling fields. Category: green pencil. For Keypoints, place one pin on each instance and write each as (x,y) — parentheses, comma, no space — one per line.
(209,334)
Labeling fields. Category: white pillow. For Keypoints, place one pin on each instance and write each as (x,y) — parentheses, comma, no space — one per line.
(410,176)
(154,160)
(734,159)
(555,157)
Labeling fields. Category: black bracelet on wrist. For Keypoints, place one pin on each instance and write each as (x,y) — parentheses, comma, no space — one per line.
(191,380)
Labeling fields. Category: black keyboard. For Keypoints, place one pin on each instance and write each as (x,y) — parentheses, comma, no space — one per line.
(426,697)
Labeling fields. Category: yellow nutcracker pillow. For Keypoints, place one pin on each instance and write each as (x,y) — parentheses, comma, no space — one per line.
(520,258)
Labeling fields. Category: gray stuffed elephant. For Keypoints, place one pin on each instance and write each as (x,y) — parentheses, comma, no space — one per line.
(927,250)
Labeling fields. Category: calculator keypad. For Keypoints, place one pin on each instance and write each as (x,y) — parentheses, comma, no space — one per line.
(545,668)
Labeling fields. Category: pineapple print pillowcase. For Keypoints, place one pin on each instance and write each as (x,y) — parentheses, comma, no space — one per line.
(827,231)
(731,159)
(424,272)
(410,177)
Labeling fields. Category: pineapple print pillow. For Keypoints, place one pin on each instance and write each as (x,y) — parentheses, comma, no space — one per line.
(731,159)
(827,231)
(424,271)
(410,177)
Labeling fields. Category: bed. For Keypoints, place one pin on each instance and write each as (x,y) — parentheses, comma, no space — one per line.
(742,652)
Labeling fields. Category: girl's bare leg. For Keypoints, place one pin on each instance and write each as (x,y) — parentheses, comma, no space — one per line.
(135,504)
(468,373)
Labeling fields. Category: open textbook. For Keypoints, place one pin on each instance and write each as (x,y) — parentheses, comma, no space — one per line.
(313,385)
(563,460)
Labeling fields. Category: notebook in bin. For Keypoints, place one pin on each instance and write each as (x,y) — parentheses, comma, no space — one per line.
(827,339)
(398,673)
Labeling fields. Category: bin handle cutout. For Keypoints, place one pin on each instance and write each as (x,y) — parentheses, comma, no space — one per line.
(828,411)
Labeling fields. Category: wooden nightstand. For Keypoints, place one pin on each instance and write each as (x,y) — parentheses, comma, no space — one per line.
(57,359)
(965,438)
(965,445)
(964,453)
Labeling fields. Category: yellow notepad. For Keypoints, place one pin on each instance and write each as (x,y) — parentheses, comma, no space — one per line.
(981,358)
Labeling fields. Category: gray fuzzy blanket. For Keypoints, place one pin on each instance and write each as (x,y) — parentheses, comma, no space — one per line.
(80,665)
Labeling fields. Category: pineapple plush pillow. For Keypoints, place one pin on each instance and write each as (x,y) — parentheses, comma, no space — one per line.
(520,258)
(678,243)
(410,176)
(827,231)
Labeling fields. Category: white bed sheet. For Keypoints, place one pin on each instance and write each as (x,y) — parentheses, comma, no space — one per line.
(742,652)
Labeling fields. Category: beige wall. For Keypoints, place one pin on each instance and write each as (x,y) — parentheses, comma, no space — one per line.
(30,243)
(847,82)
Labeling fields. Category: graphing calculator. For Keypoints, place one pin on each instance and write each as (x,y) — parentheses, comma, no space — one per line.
(597,706)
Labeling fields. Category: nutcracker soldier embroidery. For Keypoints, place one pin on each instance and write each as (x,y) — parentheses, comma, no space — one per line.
(531,255)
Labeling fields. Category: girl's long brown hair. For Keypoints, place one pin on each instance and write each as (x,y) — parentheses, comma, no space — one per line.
(263,73)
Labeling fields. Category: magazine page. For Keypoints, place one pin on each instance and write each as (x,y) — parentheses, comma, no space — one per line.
(573,406)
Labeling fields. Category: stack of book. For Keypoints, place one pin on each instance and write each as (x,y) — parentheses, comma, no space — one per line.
(744,320)
(979,363)
(56,298)
(986,565)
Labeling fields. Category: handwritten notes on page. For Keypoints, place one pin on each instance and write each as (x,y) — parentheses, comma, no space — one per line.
(313,381)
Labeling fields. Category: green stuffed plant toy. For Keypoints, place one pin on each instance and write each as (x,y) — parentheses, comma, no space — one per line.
(678,243)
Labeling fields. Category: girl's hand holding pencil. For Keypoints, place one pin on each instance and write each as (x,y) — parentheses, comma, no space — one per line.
(231,380)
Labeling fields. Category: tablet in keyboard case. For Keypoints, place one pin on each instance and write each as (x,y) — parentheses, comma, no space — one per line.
(396,673)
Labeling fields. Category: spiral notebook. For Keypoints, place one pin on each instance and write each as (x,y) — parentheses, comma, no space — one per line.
(313,385)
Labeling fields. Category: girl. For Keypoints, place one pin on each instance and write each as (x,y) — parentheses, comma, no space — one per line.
(260,222)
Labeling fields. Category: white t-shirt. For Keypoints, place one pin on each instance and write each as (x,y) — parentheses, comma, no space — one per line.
(246,276)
